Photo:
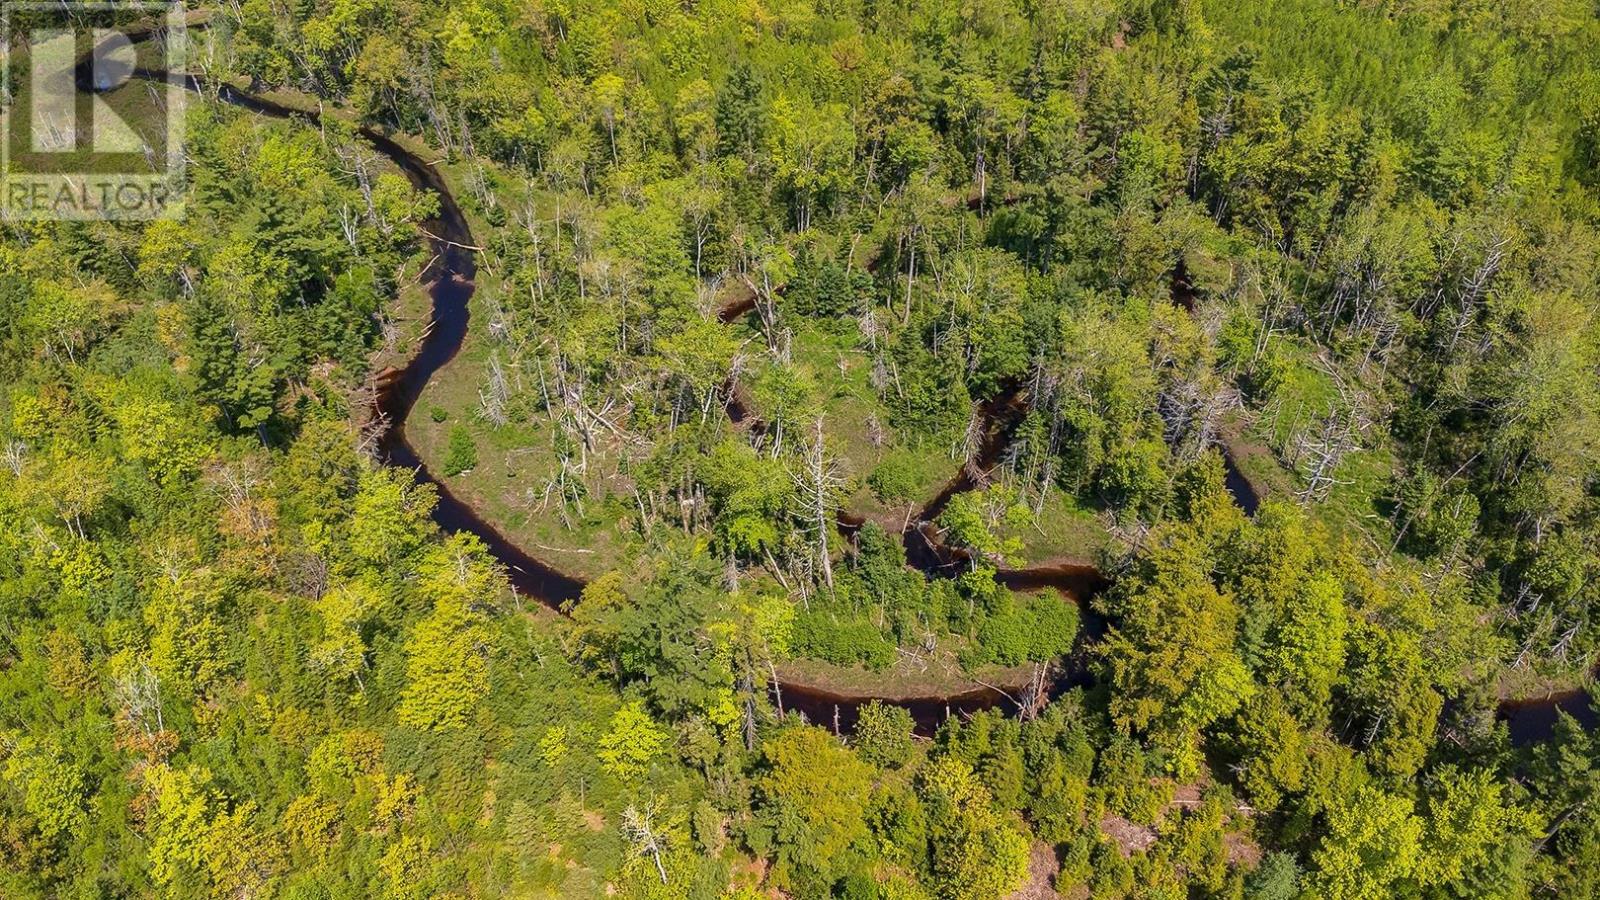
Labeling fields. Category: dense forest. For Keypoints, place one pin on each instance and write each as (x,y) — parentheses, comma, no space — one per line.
(871,449)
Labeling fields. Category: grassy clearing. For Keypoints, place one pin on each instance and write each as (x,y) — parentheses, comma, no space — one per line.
(508,485)
(833,371)
(1256,460)
(936,674)
(1354,505)
(1064,531)
(407,317)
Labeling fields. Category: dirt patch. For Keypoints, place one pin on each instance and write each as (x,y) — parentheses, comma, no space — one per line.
(1131,838)
(749,874)
(1242,851)
(1186,795)
(1042,869)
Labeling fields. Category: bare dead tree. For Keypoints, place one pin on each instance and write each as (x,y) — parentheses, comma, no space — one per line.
(1191,409)
(1035,695)
(1033,456)
(968,446)
(1318,451)
(237,485)
(757,277)
(376,423)
(1474,287)
(356,161)
(13,456)
(644,834)
(495,395)
(138,694)
(818,481)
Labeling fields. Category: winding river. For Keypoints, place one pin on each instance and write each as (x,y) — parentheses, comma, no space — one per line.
(451,288)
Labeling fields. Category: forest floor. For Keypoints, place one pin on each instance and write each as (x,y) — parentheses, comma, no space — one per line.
(1042,869)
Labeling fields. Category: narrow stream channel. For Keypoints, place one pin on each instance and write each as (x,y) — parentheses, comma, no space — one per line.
(451,289)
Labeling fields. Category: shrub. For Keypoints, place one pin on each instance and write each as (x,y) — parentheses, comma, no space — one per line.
(462,453)
(821,635)
(883,735)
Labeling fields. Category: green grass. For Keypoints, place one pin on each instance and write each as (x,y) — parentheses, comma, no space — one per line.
(1064,531)
(1353,505)
(515,461)
(837,371)
(939,673)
